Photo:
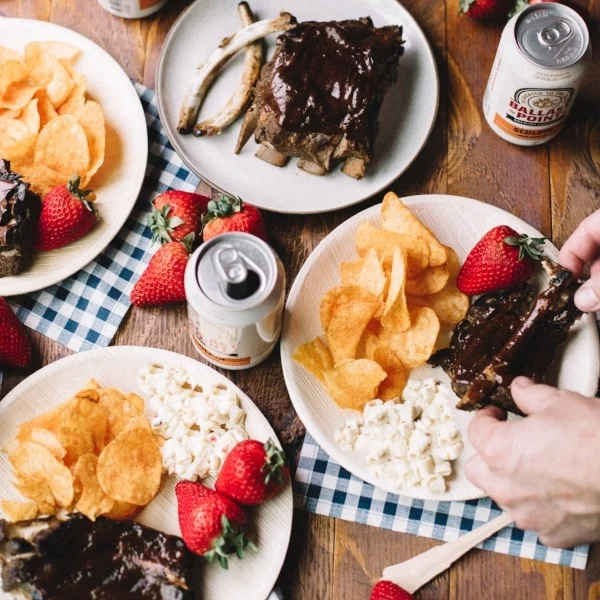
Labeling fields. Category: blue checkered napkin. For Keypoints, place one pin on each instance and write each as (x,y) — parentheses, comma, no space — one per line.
(325,488)
(85,310)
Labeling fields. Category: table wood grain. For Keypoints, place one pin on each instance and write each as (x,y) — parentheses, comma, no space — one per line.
(553,187)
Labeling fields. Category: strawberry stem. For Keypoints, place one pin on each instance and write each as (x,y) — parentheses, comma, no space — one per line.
(161,225)
(528,247)
(86,196)
(222,208)
(519,6)
(233,540)
(275,463)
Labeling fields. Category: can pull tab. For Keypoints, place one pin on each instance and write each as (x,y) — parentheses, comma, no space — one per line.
(232,266)
(554,34)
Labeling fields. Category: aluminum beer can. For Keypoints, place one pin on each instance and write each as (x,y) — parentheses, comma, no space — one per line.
(132,9)
(235,288)
(541,61)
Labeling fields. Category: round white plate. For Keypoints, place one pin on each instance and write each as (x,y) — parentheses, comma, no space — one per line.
(459,223)
(406,117)
(118,182)
(251,578)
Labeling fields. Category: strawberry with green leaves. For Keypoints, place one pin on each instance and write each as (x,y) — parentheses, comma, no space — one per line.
(228,215)
(176,215)
(68,213)
(502,259)
(15,350)
(253,472)
(163,280)
(211,524)
(484,10)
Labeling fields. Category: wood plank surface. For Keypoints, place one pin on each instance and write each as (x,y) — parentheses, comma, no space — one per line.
(552,187)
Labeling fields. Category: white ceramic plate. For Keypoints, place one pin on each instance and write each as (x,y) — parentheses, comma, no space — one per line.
(118,182)
(251,578)
(459,223)
(406,117)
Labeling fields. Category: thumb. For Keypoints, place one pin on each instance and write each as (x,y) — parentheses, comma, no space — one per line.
(532,397)
(587,297)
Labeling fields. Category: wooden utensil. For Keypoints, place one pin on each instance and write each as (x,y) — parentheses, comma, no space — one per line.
(414,573)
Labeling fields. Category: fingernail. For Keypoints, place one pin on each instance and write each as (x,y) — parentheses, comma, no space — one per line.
(586,299)
(522,381)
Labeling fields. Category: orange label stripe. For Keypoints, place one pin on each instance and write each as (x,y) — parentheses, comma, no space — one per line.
(521,132)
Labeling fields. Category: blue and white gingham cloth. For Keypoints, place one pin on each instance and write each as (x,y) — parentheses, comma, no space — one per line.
(85,310)
(325,488)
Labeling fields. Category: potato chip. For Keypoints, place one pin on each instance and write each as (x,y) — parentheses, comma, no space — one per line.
(397,375)
(76,98)
(398,218)
(12,131)
(366,272)
(450,304)
(11,71)
(46,438)
(18,511)
(353,308)
(395,314)
(76,442)
(414,346)
(18,94)
(121,413)
(19,153)
(60,86)
(50,420)
(45,108)
(315,358)
(30,116)
(91,119)
(62,146)
(122,510)
(93,501)
(39,492)
(369,343)
(430,281)
(41,178)
(57,50)
(452,264)
(7,54)
(10,113)
(137,401)
(354,383)
(83,429)
(384,242)
(32,461)
(139,482)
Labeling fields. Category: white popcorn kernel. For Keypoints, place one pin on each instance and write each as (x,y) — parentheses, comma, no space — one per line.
(407,412)
(435,484)
(447,432)
(418,442)
(443,468)
(425,467)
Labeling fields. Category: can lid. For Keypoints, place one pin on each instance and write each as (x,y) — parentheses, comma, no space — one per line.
(551,35)
(236,271)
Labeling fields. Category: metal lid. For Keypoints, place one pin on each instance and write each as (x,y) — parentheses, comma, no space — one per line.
(551,35)
(236,270)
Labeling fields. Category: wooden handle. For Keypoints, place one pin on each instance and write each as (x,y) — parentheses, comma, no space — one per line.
(416,572)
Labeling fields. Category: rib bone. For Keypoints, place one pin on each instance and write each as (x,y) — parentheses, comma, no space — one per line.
(253,60)
(230,46)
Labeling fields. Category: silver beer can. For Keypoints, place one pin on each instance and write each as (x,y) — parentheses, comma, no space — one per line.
(235,288)
(542,59)
(132,9)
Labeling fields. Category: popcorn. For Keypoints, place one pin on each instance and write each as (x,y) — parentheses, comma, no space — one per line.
(412,442)
(201,423)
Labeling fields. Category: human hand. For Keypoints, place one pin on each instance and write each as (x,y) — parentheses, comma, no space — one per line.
(545,469)
(582,248)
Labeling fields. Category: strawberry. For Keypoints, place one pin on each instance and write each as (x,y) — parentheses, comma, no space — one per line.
(485,9)
(501,259)
(253,472)
(211,525)
(580,10)
(231,214)
(15,350)
(176,214)
(67,215)
(386,590)
(162,281)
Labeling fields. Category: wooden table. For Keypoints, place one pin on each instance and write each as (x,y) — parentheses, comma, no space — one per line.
(553,187)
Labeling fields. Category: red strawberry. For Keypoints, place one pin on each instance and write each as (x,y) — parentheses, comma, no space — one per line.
(231,214)
(176,214)
(580,10)
(253,472)
(486,9)
(211,524)
(501,259)
(15,350)
(162,281)
(386,590)
(67,215)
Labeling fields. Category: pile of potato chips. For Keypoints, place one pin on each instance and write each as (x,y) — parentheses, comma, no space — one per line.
(95,453)
(390,312)
(48,131)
